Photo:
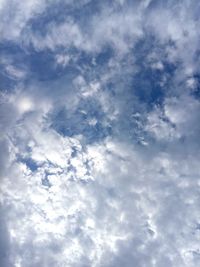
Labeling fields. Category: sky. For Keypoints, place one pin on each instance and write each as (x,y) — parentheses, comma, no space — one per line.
(99,133)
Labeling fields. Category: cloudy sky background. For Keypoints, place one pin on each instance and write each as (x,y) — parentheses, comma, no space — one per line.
(100,126)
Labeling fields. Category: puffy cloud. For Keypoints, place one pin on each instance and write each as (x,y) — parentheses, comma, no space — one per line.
(110,204)
(100,159)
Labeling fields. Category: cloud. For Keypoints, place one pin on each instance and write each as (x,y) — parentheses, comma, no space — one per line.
(106,199)
(4,240)
(15,15)
(99,134)
(109,28)
(101,219)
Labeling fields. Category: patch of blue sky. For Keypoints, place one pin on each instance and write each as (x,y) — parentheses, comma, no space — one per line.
(93,65)
(14,56)
(30,163)
(148,87)
(104,55)
(87,120)
(6,83)
(9,48)
(44,68)
(152,83)
(195,92)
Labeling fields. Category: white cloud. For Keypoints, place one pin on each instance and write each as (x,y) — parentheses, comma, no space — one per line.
(66,202)
(161,127)
(178,27)
(107,28)
(184,113)
(15,15)
(14,72)
(144,201)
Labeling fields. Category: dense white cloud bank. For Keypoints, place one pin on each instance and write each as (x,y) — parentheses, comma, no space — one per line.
(99,145)
(108,205)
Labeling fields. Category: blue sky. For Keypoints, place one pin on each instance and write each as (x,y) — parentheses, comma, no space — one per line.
(99,122)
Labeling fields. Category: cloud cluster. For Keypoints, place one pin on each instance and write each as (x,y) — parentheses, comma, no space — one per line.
(107,205)
(99,140)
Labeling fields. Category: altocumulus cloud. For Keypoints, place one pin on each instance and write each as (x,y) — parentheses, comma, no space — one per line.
(99,145)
